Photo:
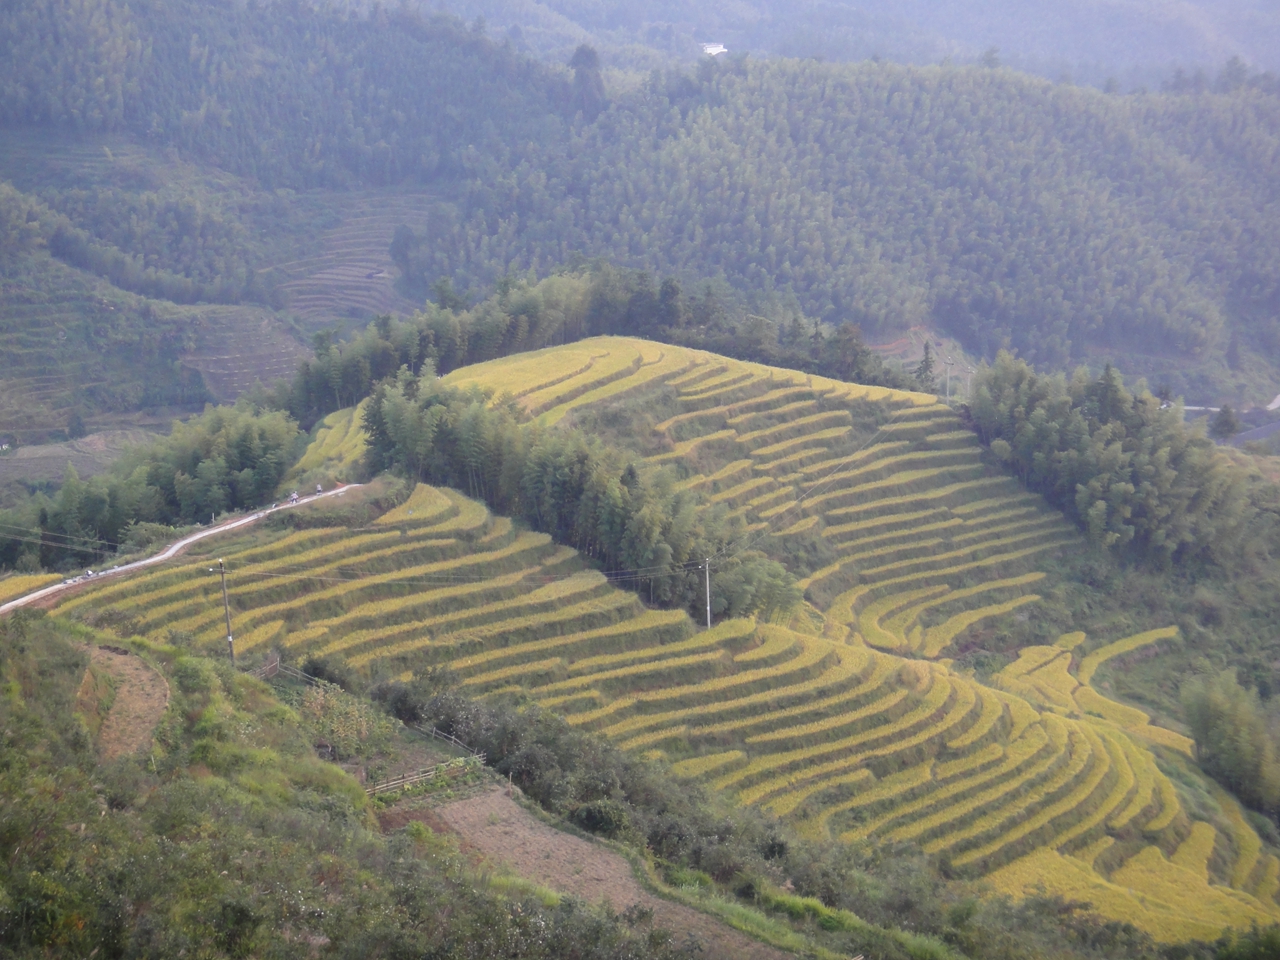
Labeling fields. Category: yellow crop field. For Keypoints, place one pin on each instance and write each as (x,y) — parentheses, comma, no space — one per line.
(945,815)
(887,789)
(1194,852)
(1109,758)
(937,639)
(697,766)
(723,634)
(735,469)
(1247,842)
(425,504)
(1269,886)
(526,373)
(1100,656)
(914,538)
(338,446)
(798,452)
(650,620)
(649,370)
(900,623)
(474,614)
(845,670)
(970,761)
(991,715)
(1144,774)
(1182,917)
(1010,820)
(803,425)
(17,585)
(1012,760)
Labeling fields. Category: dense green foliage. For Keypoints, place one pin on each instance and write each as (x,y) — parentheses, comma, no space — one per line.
(118,352)
(229,458)
(282,92)
(956,197)
(157,243)
(893,196)
(231,839)
(1122,464)
(1234,743)
(527,315)
(1097,44)
(647,535)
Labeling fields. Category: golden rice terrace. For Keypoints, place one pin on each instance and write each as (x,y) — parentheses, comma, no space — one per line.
(848,719)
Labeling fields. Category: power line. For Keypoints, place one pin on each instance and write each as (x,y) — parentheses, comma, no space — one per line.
(51,533)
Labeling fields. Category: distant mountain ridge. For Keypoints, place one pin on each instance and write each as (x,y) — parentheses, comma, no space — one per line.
(1135,41)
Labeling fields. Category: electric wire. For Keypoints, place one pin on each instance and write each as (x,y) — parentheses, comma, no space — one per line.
(725,553)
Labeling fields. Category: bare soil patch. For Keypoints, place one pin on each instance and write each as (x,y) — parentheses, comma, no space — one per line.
(500,830)
(141,698)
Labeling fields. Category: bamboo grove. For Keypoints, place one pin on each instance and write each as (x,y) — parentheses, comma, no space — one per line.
(645,533)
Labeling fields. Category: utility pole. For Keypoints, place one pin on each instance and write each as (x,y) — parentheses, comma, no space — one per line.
(948,362)
(226,607)
(707,567)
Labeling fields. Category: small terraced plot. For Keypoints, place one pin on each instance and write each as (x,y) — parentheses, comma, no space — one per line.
(847,720)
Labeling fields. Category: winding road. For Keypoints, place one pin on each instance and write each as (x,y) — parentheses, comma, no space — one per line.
(172,550)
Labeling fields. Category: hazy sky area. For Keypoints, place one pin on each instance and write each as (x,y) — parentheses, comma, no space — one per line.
(1132,41)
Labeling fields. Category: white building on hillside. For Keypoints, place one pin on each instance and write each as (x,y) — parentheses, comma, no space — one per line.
(714,49)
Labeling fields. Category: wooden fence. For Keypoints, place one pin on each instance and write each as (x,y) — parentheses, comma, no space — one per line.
(449,769)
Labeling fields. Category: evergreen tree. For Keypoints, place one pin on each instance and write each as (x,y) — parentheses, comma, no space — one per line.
(926,379)
(1225,425)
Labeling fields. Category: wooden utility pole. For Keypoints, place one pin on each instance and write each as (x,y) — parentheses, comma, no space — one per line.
(707,567)
(226,608)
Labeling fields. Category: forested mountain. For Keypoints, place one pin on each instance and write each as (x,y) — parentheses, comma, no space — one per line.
(1064,223)
(279,91)
(1010,212)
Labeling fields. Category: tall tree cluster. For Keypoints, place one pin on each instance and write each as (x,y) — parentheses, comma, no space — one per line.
(645,533)
(1008,211)
(1123,464)
(229,458)
(1234,740)
(285,92)
(528,314)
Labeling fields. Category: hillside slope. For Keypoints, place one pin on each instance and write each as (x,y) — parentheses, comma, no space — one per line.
(1008,211)
(959,198)
(227,836)
(845,719)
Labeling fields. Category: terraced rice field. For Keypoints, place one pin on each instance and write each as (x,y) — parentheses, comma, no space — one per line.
(352,275)
(240,346)
(336,450)
(844,720)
